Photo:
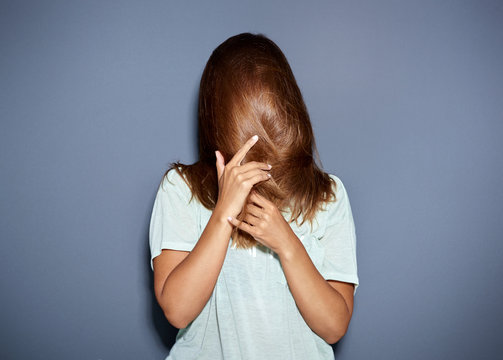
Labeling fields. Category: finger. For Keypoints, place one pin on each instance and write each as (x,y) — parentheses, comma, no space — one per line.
(252,172)
(254,164)
(253,210)
(239,156)
(241,225)
(250,219)
(259,199)
(219,163)
(253,177)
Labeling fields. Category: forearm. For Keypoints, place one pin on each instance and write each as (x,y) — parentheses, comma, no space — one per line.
(322,307)
(189,286)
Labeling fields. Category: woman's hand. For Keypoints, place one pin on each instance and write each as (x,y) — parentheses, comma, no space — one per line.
(266,224)
(235,180)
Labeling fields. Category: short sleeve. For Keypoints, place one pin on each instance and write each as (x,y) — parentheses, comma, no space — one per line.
(339,239)
(173,223)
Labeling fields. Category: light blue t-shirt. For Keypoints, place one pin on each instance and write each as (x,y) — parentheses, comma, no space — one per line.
(251,314)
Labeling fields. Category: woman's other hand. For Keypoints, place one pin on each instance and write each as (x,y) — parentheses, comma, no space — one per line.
(266,224)
(235,180)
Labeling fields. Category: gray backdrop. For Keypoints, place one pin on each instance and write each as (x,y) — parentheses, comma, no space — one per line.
(98,97)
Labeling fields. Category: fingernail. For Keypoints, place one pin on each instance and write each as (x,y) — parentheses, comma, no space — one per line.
(255,137)
(229,218)
(270,166)
(268,174)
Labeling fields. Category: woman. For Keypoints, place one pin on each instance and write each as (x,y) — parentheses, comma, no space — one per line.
(253,246)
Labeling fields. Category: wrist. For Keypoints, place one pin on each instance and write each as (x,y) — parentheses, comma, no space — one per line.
(220,216)
(290,248)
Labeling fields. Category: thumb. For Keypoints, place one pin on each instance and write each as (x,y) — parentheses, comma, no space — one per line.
(219,163)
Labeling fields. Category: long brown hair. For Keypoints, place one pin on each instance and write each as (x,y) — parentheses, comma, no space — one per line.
(248,88)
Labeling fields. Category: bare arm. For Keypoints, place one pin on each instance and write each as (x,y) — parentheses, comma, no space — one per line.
(184,282)
(326,306)
(184,291)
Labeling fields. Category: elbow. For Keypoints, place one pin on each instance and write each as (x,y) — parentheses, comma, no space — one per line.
(333,338)
(174,320)
(173,315)
(337,331)
(335,335)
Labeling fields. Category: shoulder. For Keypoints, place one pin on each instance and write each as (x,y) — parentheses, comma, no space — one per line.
(339,189)
(340,208)
(336,215)
(173,182)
